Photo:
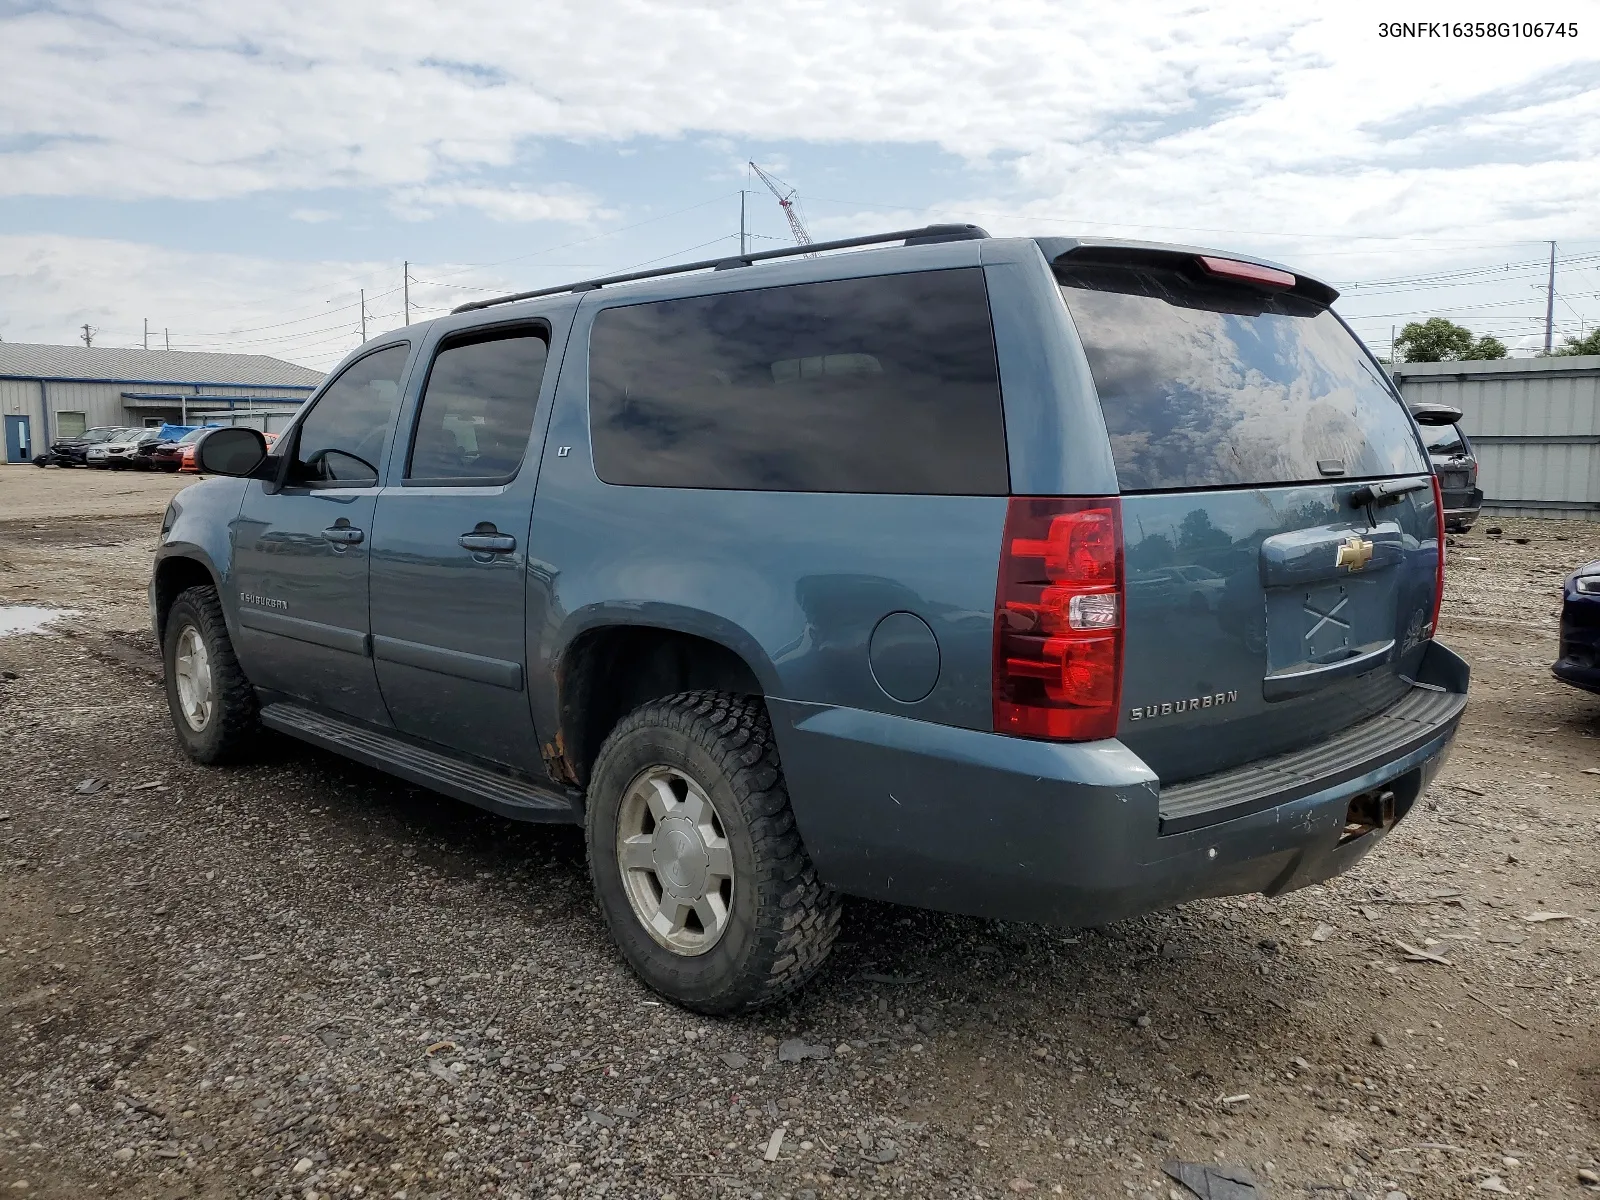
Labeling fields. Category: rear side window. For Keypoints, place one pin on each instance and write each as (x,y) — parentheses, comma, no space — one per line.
(1210,385)
(477,408)
(886,384)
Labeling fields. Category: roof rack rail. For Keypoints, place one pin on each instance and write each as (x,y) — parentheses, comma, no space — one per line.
(925,236)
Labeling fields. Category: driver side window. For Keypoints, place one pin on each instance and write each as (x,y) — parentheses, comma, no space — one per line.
(341,440)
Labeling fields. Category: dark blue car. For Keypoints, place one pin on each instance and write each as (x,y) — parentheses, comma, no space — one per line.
(1579,663)
(1047,579)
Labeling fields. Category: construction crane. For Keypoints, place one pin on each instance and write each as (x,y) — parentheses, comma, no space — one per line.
(786,201)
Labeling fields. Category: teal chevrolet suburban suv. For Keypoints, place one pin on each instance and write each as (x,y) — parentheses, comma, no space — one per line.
(1050,579)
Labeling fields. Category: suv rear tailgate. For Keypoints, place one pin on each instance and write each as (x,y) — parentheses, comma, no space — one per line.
(1267,607)
(1246,636)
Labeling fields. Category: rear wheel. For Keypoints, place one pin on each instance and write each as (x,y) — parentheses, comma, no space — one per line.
(697,864)
(214,708)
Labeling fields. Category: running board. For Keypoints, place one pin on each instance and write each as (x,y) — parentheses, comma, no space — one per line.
(509,795)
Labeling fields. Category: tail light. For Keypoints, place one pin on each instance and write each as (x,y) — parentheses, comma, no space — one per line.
(1058,619)
(1438,570)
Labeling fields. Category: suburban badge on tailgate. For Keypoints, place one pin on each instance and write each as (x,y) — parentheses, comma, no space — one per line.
(1168,708)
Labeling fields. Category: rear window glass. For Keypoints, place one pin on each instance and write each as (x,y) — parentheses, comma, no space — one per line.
(886,384)
(1208,385)
(1444,439)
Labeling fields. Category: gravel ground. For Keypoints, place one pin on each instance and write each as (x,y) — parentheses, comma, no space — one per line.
(28,493)
(305,979)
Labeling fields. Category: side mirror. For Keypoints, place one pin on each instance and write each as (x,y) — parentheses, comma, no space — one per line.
(1435,414)
(230,451)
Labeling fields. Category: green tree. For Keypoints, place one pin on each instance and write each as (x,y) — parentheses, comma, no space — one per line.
(1441,340)
(1589,344)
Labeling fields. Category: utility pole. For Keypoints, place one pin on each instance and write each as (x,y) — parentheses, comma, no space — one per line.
(741,222)
(406,285)
(88,337)
(363,315)
(167,334)
(147,333)
(1550,302)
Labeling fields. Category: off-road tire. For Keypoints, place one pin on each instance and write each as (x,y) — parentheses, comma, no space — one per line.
(782,920)
(235,722)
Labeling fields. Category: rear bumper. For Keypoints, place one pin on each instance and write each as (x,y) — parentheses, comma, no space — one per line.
(977,823)
(1461,509)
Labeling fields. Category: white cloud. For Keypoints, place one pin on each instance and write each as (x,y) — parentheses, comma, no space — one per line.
(50,285)
(501,204)
(1109,110)
(1283,129)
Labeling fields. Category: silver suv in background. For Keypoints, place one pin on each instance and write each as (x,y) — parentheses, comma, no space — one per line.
(1454,462)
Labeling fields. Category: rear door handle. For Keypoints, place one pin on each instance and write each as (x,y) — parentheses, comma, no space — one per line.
(343,535)
(493,543)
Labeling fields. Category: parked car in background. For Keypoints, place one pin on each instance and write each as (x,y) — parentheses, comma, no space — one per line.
(122,453)
(1454,462)
(72,451)
(800,601)
(168,455)
(1579,655)
(101,453)
(144,457)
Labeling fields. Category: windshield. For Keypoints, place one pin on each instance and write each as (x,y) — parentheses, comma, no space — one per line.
(1211,385)
(194,435)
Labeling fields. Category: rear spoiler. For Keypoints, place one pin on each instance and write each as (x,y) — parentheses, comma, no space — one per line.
(1108,252)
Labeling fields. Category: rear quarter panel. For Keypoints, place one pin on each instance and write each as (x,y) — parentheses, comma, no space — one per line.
(795,583)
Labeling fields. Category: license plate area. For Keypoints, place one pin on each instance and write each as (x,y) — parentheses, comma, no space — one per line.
(1330,596)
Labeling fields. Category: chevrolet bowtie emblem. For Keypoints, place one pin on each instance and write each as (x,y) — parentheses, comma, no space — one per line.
(1354,553)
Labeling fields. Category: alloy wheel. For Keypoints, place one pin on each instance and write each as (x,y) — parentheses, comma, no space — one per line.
(677,867)
(192,668)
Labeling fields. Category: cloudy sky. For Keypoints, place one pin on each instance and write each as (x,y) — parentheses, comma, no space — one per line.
(238,173)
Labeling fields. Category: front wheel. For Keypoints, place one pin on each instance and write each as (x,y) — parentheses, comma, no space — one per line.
(214,708)
(697,864)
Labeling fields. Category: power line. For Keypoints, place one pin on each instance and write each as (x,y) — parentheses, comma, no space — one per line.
(1455,308)
(461,270)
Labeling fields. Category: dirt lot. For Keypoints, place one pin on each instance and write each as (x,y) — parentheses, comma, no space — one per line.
(28,493)
(302,978)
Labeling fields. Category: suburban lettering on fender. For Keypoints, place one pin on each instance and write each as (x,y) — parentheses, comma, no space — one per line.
(262,601)
(1171,707)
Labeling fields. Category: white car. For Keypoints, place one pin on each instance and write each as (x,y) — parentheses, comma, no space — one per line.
(118,451)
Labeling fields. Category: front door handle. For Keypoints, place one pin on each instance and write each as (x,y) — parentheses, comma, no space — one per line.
(490,543)
(344,535)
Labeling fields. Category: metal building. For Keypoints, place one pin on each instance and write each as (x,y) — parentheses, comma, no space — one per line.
(1535,423)
(54,391)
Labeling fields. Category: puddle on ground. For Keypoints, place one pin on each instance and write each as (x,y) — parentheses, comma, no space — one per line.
(29,618)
